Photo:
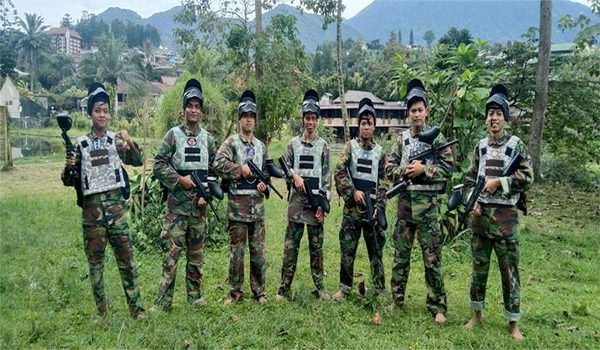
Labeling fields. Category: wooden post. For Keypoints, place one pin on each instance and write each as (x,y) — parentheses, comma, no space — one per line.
(5,148)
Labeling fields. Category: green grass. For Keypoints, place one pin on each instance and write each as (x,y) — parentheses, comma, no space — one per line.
(46,301)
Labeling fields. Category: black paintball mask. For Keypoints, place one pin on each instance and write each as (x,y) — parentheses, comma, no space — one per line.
(498,99)
(415,91)
(366,110)
(247,104)
(96,93)
(310,104)
(192,89)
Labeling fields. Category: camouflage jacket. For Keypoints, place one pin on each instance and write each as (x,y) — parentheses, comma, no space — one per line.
(434,173)
(243,208)
(297,210)
(179,201)
(517,182)
(345,187)
(130,154)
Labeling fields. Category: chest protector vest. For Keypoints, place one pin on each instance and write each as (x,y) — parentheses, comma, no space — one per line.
(191,152)
(364,167)
(244,152)
(307,160)
(101,169)
(492,162)
(411,146)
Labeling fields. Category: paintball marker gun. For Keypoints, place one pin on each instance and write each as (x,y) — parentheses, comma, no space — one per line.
(317,198)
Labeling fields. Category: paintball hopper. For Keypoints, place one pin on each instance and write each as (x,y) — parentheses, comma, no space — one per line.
(429,135)
(311,103)
(247,103)
(192,89)
(214,188)
(499,98)
(415,90)
(456,198)
(64,121)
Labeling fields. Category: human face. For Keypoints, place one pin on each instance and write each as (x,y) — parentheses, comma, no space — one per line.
(366,128)
(100,115)
(417,115)
(193,111)
(311,122)
(495,121)
(247,122)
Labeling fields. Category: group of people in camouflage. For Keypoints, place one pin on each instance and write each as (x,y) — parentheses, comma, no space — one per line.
(188,157)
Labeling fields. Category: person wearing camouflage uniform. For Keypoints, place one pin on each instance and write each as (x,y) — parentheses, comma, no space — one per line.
(185,149)
(307,156)
(418,207)
(103,182)
(245,211)
(495,220)
(360,173)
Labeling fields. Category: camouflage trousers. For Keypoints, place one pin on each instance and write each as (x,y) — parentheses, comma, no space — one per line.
(182,232)
(350,233)
(419,218)
(254,234)
(293,238)
(496,229)
(105,219)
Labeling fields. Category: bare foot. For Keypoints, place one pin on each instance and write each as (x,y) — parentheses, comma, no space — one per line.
(377,320)
(279,297)
(339,295)
(324,296)
(440,318)
(515,332)
(474,321)
(262,299)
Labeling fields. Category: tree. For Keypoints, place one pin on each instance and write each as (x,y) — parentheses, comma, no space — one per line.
(589,32)
(455,37)
(8,38)
(32,43)
(541,85)
(108,65)
(67,21)
(400,36)
(429,37)
(332,10)
(411,41)
(374,45)
(90,27)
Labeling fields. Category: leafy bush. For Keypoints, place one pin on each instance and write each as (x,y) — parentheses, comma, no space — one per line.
(148,210)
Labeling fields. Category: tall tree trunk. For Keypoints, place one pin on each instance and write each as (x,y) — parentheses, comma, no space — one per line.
(258,20)
(340,71)
(541,86)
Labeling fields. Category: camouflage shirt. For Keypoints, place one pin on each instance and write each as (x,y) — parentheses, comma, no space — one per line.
(130,154)
(179,201)
(344,184)
(243,208)
(434,173)
(517,182)
(298,200)
(410,202)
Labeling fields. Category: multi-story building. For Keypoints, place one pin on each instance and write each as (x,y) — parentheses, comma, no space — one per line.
(66,41)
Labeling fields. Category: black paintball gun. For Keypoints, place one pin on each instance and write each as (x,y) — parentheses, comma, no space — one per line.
(369,216)
(65,123)
(258,174)
(456,198)
(427,136)
(317,198)
(212,190)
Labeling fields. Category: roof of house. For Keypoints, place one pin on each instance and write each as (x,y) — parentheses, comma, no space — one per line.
(63,31)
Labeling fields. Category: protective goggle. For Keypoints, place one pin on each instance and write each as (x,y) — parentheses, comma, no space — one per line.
(311,106)
(246,107)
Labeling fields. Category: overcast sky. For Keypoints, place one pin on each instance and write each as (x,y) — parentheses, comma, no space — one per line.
(54,12)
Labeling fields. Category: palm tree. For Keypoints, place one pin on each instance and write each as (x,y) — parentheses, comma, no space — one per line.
(112,65)
(33,42)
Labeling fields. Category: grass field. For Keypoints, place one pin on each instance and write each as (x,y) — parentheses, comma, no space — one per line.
(46,301)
